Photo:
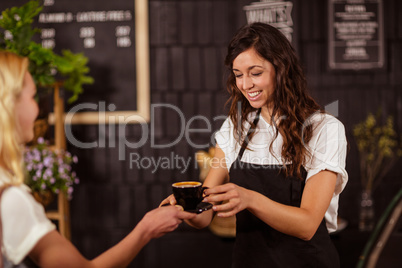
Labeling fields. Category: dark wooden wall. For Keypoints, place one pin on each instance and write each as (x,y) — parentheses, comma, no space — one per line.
(188,41)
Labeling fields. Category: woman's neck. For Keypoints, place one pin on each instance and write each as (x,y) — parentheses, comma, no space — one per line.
(266,113)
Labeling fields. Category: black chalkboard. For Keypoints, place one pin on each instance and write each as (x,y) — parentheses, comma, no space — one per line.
(356,35)
(105,32)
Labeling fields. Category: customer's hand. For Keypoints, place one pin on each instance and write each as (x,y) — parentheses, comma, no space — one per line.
(170,200)
(163,220)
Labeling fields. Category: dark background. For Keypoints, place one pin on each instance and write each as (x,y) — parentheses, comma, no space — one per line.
(188,42)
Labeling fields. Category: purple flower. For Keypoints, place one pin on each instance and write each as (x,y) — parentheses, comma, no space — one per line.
(48,161)
(39,166)
(36,155)
(48,172)
(28,157)
(29,167)
(50,169)
(61,170)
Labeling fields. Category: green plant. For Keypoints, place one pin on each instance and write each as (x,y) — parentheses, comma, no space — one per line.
(379,148)
(45,66)
(49,170)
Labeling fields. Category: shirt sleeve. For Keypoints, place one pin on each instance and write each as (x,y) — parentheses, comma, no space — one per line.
(328,152)
(24,223)
(225,140)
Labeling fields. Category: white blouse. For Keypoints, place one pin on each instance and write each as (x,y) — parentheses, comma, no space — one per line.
(24,221)
(327,148)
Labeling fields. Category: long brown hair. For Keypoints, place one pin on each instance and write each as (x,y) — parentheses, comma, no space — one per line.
(291,101)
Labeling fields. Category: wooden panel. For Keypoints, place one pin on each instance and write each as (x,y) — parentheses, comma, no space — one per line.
(395,54)
(158,118)
(124,207)
(171,22)
(221,22)
(160,69)
(163,23)
(204,20)
(172,116)
(177,63)
(194,68)
(398,18)
(187,22)
(188,101)
(211,64)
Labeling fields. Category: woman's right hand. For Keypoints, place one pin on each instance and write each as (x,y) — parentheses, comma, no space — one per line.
(170,200)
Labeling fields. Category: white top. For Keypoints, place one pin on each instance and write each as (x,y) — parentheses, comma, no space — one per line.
(327,148)
(24,221)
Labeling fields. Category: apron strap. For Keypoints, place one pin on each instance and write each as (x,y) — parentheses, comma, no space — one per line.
(250,131)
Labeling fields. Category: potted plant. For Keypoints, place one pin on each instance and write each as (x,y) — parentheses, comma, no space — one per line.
(47,68)
(379,148)
(49,171)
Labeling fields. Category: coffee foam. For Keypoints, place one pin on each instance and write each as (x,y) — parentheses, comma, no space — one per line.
(187,184)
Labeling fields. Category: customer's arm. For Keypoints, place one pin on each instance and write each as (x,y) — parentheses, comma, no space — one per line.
(53,250)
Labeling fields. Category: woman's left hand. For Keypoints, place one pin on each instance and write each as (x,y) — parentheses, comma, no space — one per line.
(238,198)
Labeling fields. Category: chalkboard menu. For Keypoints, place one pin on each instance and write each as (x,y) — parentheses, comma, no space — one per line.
(356,38)
(105,32)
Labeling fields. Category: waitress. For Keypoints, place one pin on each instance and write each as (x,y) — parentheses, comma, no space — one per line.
(280,159)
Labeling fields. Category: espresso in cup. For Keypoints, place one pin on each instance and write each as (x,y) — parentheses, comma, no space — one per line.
(188,194)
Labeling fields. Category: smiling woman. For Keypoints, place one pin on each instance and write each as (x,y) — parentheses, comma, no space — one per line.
(255,78)
(284,159)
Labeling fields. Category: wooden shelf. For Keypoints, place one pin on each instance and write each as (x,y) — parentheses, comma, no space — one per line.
(62,213)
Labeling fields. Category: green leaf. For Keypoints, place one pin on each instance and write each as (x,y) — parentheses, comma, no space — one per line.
(72,68)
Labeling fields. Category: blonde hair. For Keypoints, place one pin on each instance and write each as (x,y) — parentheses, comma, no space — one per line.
(12,72)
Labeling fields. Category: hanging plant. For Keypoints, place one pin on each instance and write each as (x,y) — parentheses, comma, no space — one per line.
(45,66)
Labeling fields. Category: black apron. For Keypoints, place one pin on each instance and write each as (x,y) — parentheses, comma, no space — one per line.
(259,245)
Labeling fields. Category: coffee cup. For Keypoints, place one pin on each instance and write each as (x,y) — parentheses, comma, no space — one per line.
(188,194)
